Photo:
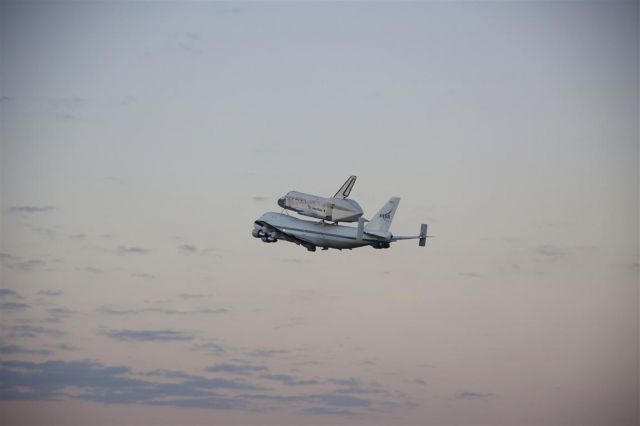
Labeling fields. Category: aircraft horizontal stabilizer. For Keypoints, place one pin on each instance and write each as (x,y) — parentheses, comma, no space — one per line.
(381,234)
(423,235)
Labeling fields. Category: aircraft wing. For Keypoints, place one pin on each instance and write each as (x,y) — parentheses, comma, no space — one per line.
(281,235)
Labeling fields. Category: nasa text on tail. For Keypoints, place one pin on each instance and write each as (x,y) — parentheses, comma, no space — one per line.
(271,227)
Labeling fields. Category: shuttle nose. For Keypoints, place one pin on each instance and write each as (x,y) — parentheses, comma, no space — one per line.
(281,201)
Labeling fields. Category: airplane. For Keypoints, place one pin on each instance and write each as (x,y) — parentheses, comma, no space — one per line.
(272,227)
(338,208)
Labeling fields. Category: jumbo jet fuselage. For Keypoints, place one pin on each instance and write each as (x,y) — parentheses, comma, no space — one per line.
(276,226)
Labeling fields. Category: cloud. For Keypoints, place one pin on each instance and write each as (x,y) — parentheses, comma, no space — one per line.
(212,346)
(266,150)
(216,403)
(7,256)
(67,107)
(189,41)
(188,248)
(345,382)
(90,269)
(265,353)
(326,410)
(354,386)
(93,381)
(289,380)
(51,293)
(201,382)
(65,347)
(342,400)
(243,369)
(171,374)
(128,100)
(44,231)
(471,274)
(329,399)
(24,330)
(27,265)
(204,382)
(473,395)
(360,390)
(145,276)
(147,335)
(123,250)
(77,236)
(58,313)
(551,253)
(31,209)
(204,311)
(13,306)
(5,292)
(13,349)
(187,296)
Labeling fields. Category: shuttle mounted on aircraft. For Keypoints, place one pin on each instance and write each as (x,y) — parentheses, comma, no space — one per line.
(271,227)
(338,208)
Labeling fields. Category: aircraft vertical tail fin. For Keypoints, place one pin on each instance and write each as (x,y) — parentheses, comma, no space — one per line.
(382,220)
(346,188)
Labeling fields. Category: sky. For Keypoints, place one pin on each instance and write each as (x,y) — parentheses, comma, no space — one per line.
(140,140)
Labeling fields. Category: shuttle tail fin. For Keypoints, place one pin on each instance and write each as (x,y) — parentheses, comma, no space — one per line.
(382,220)
(346,188)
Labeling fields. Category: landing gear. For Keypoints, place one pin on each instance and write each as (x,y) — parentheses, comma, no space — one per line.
(310,247)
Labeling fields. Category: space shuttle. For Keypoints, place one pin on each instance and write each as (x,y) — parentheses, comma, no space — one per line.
(338,208)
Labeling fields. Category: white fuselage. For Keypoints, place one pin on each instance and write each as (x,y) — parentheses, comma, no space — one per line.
(319,233)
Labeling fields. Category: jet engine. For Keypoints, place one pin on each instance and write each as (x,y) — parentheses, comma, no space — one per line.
(269,238)
(260,232)
(257,232)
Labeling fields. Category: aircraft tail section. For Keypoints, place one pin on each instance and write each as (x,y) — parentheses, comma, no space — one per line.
(381,222)
(346,188)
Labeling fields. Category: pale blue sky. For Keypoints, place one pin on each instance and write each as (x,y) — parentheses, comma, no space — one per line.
(141,140)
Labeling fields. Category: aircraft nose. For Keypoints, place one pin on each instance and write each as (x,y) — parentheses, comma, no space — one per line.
(281,201)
